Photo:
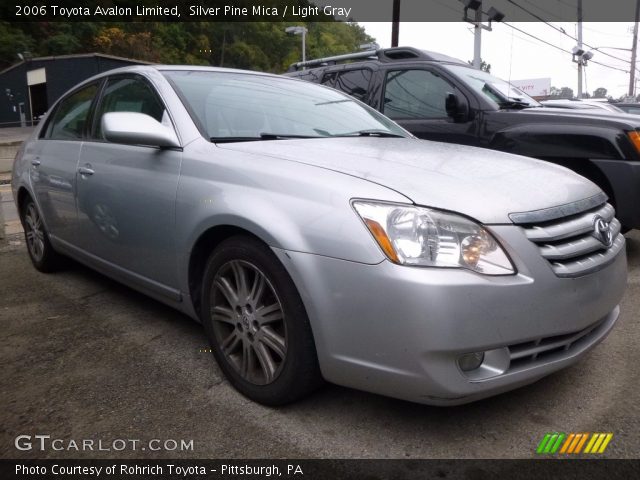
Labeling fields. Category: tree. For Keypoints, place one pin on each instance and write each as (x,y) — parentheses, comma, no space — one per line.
(252,45)
(12,42)
(600,93)
(116,41)
(564,92)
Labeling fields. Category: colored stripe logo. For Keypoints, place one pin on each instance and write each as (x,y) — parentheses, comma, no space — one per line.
(573,443)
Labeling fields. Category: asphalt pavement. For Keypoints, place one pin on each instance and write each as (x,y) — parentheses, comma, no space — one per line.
(86,358)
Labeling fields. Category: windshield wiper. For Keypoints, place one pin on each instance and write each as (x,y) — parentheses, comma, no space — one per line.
(263,136)
(284,136)
(370,133)
(514,104)
(332,102)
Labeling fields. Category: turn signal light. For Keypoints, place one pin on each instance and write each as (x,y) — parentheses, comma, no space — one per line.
(635,139)
(382,238)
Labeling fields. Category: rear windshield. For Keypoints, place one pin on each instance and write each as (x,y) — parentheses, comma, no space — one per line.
(240,106)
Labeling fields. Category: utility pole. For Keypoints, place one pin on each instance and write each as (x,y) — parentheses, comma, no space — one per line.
(580,48)
(395,23)
(302,31)
(634,47)
(493,15)
(477,39)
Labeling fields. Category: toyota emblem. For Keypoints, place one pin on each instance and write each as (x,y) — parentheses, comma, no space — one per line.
(602,231)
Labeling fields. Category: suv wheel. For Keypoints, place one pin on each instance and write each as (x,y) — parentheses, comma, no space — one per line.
(257,325)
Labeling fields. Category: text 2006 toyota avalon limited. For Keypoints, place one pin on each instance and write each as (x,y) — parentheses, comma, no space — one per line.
(315,239)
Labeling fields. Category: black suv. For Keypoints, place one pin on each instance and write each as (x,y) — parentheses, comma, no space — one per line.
(440,98)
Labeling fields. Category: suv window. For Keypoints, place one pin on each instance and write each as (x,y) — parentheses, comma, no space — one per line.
(70,118)
(415,94)
(354,82)
(329,79)
(128,94)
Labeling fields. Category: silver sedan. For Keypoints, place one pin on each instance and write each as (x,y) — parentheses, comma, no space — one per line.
(316,239)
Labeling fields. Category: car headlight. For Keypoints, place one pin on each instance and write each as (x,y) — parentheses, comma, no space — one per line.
(425,237)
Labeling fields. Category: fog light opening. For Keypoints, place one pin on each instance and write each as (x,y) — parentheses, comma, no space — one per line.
(470,361)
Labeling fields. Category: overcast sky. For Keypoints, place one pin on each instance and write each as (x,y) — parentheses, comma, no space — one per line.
(514,55)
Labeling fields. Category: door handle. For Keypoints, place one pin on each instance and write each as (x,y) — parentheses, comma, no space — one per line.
(85,171)
(35,162)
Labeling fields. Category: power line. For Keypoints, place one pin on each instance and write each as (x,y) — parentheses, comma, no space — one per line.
(572,5)
(625,35)
(539,39)
(562,31)
(446,5)
(541,9)
(560,48)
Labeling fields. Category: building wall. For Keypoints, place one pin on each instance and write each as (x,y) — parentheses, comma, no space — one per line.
(15,80)
(62,74)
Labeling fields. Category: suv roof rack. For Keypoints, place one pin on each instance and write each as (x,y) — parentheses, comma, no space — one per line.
(382,55)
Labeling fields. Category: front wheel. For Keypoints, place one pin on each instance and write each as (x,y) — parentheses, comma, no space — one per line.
(257,325)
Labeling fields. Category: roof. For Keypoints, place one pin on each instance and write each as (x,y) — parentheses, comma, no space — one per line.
(147,68)
(382,55)
(77,55)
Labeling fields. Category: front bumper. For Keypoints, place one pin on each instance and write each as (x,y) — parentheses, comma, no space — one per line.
(624,178)
(398,331)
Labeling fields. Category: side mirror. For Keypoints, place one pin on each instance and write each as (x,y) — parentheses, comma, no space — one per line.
(137,129)
(457,108)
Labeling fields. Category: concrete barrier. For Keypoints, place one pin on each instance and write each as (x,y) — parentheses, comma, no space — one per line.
(7,154)
(10,141)
(2,235)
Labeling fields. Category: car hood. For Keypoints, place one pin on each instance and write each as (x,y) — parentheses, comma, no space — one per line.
(485,184)
(597,114)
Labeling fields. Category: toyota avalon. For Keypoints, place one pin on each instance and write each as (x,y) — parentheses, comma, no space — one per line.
(316,240)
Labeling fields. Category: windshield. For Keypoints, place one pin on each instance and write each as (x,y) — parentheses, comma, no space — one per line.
(242,107)
(499,91)
(611,108)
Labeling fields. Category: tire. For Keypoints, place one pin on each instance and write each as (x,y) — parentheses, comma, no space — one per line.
(257,324)
(42,254)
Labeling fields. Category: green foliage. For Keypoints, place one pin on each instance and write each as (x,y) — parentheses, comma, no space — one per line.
(600,93)
(564,92)
(253,45)
(13,41)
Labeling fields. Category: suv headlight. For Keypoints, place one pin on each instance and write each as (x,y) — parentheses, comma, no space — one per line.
(425,237)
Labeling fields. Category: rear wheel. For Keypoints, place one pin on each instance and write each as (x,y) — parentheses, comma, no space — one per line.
(257,325)
(42,254)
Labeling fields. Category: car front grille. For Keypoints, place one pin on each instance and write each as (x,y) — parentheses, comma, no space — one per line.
(552,348)
(572,244)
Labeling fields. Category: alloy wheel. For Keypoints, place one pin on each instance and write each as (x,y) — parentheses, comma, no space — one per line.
(34,232)
(248,322)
